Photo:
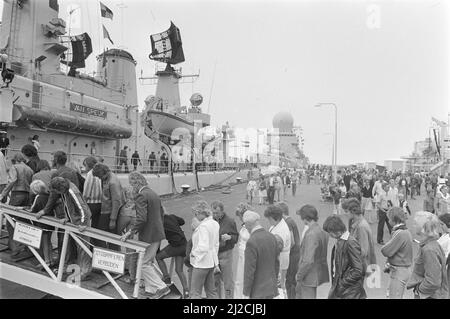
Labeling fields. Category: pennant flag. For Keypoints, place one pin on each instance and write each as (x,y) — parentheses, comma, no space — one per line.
(106,12)
(106,35)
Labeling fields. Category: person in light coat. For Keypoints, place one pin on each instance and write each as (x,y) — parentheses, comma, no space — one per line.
(274,215)
(204,254)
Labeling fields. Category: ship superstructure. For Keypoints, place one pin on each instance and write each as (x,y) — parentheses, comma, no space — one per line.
(71,111)
(77,113)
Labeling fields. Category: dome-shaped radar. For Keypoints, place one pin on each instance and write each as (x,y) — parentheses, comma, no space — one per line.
(196,99)
(283,121)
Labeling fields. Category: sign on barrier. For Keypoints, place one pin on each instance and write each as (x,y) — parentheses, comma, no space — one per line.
(108,260)
(28,235)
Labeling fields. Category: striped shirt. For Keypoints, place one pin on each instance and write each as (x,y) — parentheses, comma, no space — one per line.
(92,191)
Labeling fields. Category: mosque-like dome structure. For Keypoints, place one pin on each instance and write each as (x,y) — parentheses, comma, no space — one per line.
(283,121)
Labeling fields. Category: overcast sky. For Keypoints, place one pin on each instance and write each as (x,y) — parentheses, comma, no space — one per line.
(385,66)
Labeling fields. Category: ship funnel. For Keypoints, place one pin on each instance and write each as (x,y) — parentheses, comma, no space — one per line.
(118,69)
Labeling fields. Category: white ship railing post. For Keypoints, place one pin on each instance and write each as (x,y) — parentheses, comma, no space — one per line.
(138,274)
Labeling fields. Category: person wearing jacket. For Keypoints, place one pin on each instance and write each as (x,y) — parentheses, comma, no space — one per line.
(347,272)
(261,260)
(3,174)
(204,254)
(176,249)
(444,241)
(294,253)
(399,253)
(59,162)
(312,266)
(149,226)
(429,278)
(362,232)
(76,211)
(286,183)
(40,190)
(278,226)
(442,200)
(244,235)
(20,176)
(228,238)
(92,191)
(31,154)
(113,199)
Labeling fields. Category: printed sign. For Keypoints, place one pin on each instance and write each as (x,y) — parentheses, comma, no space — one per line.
(28,235)
(87,110)
(108,260)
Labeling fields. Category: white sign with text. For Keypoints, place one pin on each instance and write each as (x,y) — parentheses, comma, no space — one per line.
(28,235)
(108,260)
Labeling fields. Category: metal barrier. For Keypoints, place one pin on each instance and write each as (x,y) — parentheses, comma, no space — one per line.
(144,166)
(9,212)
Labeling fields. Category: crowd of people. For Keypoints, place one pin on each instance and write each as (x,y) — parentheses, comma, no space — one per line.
(277,262)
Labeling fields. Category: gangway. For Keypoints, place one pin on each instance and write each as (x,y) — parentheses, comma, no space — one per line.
(24,272)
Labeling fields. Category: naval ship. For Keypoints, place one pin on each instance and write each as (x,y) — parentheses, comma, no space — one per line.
(87,115)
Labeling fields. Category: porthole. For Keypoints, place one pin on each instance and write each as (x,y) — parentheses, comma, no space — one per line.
(113,60)
(52,141)
(75,144)
(86,145)
(27,94)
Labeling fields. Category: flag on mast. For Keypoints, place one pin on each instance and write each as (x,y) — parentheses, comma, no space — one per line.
(106,12)
(106,35)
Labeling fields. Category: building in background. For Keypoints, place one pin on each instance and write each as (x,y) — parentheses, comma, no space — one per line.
(286,141)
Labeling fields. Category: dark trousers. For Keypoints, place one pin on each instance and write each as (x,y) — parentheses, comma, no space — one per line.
(294,188)
(17,199)
(271,194)
(71,252)
(95,213)
(123,162)
(382,219)
(291,281)
(2,187)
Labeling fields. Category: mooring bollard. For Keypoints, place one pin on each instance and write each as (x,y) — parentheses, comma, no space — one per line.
(185,188)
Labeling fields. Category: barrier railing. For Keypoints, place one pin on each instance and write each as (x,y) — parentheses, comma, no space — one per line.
(10,213)
(144,166)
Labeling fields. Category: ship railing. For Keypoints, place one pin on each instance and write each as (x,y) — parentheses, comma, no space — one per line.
(18,214)
(144,166)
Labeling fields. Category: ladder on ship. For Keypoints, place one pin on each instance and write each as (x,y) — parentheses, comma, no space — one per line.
(24,271)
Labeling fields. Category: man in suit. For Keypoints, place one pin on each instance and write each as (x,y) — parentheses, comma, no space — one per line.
(294,253)
(261,260)
(149,226)
(347,270)
(312,268)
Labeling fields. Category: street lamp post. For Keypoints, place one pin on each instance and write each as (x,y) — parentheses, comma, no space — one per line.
(332,148)
(335,137)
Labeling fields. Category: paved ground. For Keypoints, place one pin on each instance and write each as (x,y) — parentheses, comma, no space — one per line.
(306,194)
(181,206)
